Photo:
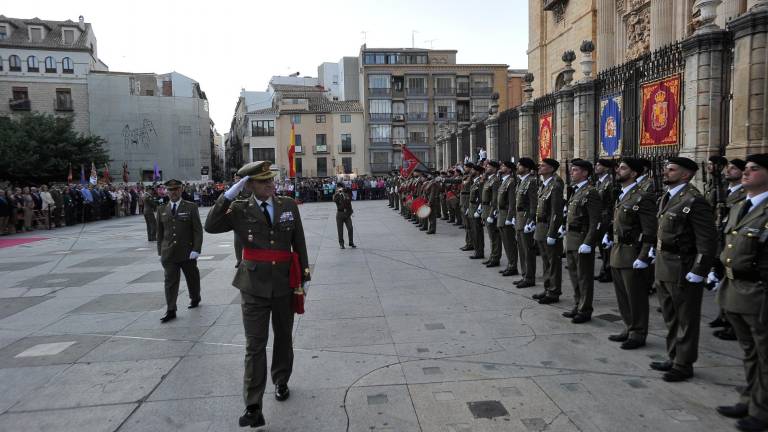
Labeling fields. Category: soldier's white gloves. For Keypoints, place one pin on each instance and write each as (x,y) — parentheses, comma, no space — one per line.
(712,278)
(639,264)
(551,241)
(513,221)
(510,222)
(606,242)
(585,249)
(232,192)
(489,219)
(477,215)
(194,255)
(694,278)
(652,255)
(560,232)
(529,228)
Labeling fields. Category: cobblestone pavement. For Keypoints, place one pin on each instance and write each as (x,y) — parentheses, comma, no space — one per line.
(403,333)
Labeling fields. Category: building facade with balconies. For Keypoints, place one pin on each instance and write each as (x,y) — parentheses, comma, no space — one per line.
(409,94)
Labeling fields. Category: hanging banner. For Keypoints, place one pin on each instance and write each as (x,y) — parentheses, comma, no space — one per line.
(610,126)
(545,136)
(660,115)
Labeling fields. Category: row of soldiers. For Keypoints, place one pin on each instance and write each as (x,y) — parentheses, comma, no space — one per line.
(649,237)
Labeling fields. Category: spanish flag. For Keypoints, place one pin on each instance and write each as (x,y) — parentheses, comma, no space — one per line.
(292,153)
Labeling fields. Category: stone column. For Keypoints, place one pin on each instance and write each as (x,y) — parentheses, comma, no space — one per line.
(749,118)
(492,129)
(472,127)
(563,131)
(606,25)
(525,129)
(620,27)
(662,23)
(729,10)
(584,133)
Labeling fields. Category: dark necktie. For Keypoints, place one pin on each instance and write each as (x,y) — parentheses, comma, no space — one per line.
(665,199)
(173,209)
(744,210)
(266,213)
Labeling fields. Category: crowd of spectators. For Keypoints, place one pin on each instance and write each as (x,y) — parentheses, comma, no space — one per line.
(322,189)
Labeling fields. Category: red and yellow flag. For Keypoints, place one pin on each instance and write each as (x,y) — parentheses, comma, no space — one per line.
(292,153)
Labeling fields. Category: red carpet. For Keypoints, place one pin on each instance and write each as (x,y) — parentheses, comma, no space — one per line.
(4,243)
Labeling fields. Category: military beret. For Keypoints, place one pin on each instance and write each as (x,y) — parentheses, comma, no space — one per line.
(551,162)
(469,165)
(494,163)
(684,162)
(528,163)
(257,170)
(760,159)
(647,163)
(606,162)
(634,164)
(719,160)
(508,164)
(741,164)
(479,169)
(173,184)
(584,164)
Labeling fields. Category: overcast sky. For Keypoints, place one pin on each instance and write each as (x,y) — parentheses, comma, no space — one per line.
(228,45)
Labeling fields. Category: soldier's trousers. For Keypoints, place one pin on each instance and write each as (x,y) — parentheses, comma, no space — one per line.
(151,227)
(495,236)
(632,296)
(397,202)
(510,245)
(341,220)
(432,219)
(605,259)
(466,220)
(444,209)
(256,314)
(681,309)
(753,339)
(238,249)
(552,260)
(478,236)
(173,275)
(581,269)
(525,248)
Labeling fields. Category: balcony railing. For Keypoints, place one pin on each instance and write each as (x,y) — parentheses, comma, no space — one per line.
(416,91)
(379,91)
(417,116)
(20,104)
(381,142)
(320,149)
(399,117)
(399,141)
(462,91)
(380,117)
(445,91)
(482,91)
(445,116)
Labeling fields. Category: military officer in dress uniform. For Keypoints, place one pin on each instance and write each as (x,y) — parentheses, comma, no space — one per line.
(632,237)
(743,292)
(506,206)
(343,214)
(604,171)
(489,199)
(526,201)
(243,195)
(685,249)
(475,204)
(582,221)
(466,185)
(150,207)
(432,195)
(179,242)
(275,267)
(547,229)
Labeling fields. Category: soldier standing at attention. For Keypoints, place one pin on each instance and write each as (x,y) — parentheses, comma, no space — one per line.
(632,237)
(478,237)
(549,221)
(488,216)
(506,216)
(524,222)
(583,219)
(180,240)
(150,207)
(685,252)
(433,196)
(466,218)
(743,293)
(604,171)
(275,267)
(343,214)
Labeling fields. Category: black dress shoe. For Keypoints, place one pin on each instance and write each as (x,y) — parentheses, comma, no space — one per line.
(725,334)
(663,366)
(718,322)
(525,284)
(507,273)
(621,337)
(539,296)
(251,417)
(430,232)
(605,278)
(549,300)
(493,264)
(352,245)
(486,262)
(193,304)
(570,313)
(751,424)
(341,246)
(580,318)
(281,392)
(676,375)
(170,315)
(632,344)
(477,257)
(465,248)
(513,272)
(739,410)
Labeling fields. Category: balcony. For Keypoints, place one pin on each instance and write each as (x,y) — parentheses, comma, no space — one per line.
(379,92)
(445,91)
(398,93)
(417,116)
(320,149)
(400,117)
(416,92)
(462,91)
(20,104)
(463,117)
(482,91)
(380,117)
(445,116)
(380,142)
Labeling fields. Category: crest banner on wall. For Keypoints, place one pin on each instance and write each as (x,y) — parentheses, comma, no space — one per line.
(660,115)
(545,136)
(610,125)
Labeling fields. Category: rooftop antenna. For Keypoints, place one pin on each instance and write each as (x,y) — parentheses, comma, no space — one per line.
(365,36)
(430,42)
(413,38)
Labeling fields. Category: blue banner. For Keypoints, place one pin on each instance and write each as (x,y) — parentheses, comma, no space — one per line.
(610,126)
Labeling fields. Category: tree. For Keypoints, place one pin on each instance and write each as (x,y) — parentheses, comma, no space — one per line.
(39,148)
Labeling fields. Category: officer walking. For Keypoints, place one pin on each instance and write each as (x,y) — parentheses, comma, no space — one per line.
(150,207)
(547,229)
(489,199)
(180,240)
(343,214)
(506,207)
(275,267)
(526,201)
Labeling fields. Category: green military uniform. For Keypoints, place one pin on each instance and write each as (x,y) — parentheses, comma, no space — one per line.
(549,219)
(526,200)
(243,195)
(606,190)
(466,218)
(442,203)
(433,194)
(686,242)
(424,193)
(396,191)
(634,234)
(476,223)
(264,286)
(582,221)
(150,207)
(743,297)
(505,213)
(343,216)
(489,198)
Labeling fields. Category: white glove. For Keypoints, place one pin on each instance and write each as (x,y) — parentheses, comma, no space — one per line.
(607,242)
(551,241)
(510,222)
(466,212)
(489,219)
(694,278)
(513,222)
(194,255)
(717,286)
(639,264)
(585,249)
(477,215)
(531,227)
(232,192)
(560,232)
(712,278)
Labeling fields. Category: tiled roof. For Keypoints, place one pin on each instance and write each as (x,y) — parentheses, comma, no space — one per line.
(322,105)
(53,36)
(264,111)
(286,88)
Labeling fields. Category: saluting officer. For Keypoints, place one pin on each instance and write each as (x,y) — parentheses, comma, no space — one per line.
(488,216)
(685,249)
(743,293)
(150,207)
(466,185)
(244,194)
(180,240)
(506,206)
(605,188)
(476,223)
(343,214)
(526,201)
(274,268)
(549,223)
(583,218)
(633,236)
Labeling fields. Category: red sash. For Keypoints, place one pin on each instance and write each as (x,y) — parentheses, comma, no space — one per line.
(272,255)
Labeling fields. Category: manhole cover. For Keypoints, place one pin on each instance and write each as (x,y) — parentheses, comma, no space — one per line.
(487,409)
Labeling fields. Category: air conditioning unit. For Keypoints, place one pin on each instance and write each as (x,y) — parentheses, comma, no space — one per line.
(398,117)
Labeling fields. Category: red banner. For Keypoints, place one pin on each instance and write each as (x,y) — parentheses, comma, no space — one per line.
(660,116)
(545,136)
(410,162)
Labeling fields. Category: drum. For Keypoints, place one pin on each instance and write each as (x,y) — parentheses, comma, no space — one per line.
(421,208)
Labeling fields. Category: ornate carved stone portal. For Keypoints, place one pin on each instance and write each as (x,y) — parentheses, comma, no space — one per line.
(637,20)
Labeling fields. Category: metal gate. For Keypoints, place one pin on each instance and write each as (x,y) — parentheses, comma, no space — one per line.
(508,138)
